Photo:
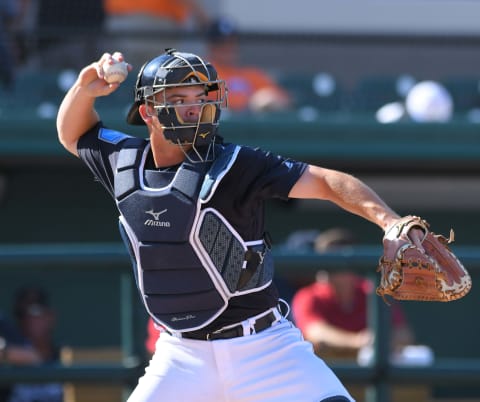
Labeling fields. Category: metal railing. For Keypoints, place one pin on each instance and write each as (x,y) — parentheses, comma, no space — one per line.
(378,376)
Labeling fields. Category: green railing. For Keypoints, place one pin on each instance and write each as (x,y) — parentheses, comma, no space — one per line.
(348,140)
(378,376)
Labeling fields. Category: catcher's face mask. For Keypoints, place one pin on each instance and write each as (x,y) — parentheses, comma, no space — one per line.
(184,93)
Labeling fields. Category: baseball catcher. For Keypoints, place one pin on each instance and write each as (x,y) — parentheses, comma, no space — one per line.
(409,272)
(191,215)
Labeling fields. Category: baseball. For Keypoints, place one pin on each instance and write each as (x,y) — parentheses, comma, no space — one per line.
(116,72)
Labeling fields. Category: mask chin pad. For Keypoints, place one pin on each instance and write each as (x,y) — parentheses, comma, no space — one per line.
(208,113)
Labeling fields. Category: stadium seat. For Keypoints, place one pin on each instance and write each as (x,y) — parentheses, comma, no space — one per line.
(86,391)
(372,92)
(465,91)
(34,94)
(39,94)
(319,90)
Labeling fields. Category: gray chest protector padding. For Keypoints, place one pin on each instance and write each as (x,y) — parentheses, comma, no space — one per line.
(185,281)
(241,269)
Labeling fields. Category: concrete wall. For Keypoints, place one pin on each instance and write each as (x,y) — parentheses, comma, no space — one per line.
(387,16)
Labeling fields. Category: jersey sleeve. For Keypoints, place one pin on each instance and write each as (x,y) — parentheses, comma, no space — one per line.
(98,149)
(267,174)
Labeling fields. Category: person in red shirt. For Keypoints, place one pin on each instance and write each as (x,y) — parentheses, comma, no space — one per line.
(332,311)
(153,333)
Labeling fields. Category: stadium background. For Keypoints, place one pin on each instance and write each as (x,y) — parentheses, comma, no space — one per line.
(51,206)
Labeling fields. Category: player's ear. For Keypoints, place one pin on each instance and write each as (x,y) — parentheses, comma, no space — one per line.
(145,113)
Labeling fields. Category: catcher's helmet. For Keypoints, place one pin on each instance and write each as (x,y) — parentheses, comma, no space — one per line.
(176,69)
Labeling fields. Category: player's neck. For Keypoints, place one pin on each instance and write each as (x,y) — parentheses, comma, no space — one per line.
(165,153)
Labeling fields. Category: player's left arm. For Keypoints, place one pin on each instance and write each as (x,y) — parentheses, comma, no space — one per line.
(346,191)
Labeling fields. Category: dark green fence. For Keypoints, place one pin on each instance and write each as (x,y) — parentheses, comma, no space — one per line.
(93,259)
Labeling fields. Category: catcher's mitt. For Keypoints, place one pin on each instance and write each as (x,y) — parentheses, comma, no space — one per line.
(407,273)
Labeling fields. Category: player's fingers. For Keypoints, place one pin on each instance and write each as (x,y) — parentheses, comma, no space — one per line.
(92,78)
(107,58)
(118,56)
(99,69)
(109,88)
(89,74)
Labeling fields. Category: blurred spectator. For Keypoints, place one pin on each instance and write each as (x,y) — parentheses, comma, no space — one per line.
(140,15)
(249,88)
(332,312)
(153,333)
(425,102)
(13,351)
(301,240)
(36,322)
(174,17)
(8,13)
(23,30)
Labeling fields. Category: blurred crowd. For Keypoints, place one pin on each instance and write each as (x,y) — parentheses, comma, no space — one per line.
(28,339)
(51,34)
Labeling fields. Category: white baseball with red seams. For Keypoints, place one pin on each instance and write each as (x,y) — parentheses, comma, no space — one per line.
(116,72)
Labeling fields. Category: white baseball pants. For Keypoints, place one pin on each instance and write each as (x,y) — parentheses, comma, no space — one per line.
(275,365)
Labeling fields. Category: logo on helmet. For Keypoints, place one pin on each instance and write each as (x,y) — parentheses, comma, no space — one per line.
(195,77)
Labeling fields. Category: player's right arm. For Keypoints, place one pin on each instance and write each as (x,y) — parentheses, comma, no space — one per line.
(77,112)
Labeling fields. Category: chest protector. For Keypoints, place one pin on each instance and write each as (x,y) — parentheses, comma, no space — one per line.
(188,260)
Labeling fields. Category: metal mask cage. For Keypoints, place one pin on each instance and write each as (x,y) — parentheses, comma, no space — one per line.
(158,97)
(199,133)
(177,129)
(176,71)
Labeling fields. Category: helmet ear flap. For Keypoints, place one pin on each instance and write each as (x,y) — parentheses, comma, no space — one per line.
(133,116)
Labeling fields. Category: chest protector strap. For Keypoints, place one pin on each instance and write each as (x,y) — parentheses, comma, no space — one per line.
(188,262)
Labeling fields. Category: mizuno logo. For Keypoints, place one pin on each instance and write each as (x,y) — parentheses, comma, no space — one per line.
(155,221)
(155,214)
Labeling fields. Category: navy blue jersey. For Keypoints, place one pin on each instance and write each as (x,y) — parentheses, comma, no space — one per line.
(255,177)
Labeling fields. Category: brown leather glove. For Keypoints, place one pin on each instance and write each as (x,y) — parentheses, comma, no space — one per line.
(408,273)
